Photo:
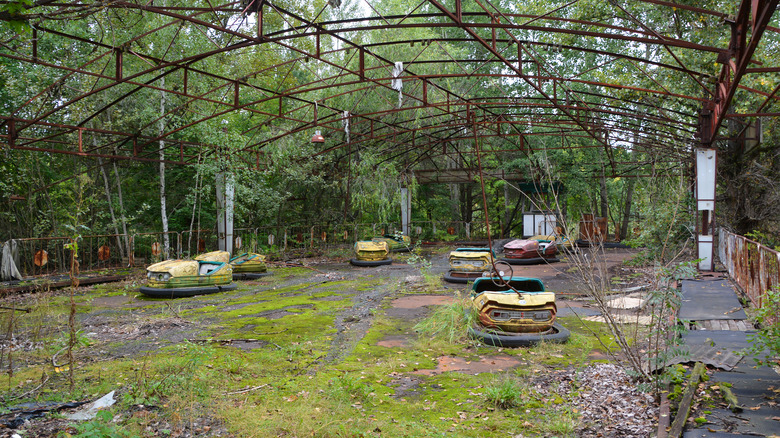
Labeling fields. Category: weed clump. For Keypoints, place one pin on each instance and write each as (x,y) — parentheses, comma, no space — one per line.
(448,323)
(504,394)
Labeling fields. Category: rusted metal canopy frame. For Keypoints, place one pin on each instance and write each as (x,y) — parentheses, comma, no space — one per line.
(381,81)
(753,16)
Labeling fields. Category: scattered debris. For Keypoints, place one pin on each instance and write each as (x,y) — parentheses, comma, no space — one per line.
(623,319)
(90,410)
(632,301)
(608,399)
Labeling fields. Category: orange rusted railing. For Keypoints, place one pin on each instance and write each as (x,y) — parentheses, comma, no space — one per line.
(753,266)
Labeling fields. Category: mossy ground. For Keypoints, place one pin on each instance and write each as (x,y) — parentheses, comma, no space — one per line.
(297,353)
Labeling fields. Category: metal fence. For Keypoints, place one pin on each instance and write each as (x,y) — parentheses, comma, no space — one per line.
(49,255)
(43,256)
(753,266)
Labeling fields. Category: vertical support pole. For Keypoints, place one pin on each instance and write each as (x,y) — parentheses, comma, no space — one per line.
(317,39)
(406,210)
(11,133)
(520,58)
(706,167)
(225,193)
(425,92)
(185,79)
(493,32)
(230,190)
(235,94)
(260,22)
(538,75)
(81,144)
(119,54)
(35,44)
(280,106)
(362,65)
(459,11)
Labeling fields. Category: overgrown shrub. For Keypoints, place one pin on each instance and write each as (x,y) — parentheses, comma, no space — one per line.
(765,343)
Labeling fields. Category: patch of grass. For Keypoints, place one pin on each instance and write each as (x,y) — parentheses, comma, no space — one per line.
(100,427)
(449,323)
(348,388)
(503,393)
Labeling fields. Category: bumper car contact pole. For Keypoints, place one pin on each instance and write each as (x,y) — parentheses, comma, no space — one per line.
(500,278)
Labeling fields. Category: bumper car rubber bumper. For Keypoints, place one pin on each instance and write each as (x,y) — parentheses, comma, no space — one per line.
(249,275)
(181,292)
(531,261)
(558,334)
(461,277)
(370,263)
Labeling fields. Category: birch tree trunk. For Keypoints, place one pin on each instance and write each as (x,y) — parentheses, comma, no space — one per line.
(627,208)
(195,202)
(163,210)
(107,189)
(122,218)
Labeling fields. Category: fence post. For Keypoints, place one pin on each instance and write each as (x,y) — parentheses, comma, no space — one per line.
(131,256)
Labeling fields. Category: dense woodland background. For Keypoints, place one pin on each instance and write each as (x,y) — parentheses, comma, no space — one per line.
(48,194)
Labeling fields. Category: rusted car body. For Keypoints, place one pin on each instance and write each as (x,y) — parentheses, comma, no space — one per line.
(370,253)
(530,251)
(468,263)
(514,312)
(208,273)
(395,243)
(248,265)
(516,304)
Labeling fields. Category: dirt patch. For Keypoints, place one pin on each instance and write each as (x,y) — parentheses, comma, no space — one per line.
(405,386)
(415,301)
(394,341)
(118,302)
(573,307)
(279,313)
(485,364)
(413,307)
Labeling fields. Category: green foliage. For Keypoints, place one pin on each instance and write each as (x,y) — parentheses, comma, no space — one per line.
(764,239)
(15,19)
(666,229)
(349,389)
(504,393)
(101,427)
(176,375)
(765,343)
(449,323)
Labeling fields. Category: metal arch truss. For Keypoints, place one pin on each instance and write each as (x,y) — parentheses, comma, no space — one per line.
(605,82)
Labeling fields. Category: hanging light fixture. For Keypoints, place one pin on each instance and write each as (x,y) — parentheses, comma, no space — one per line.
(317,137)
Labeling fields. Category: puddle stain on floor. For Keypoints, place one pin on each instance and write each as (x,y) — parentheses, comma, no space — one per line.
(487,364)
